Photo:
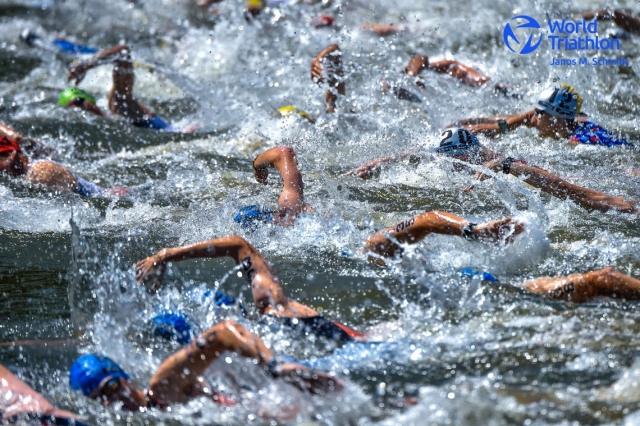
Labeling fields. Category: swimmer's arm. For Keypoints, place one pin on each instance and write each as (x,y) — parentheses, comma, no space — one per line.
(493,129)
(416,65)
(233,246)
(513,121)
(587,198)
(464,73)
(283,159)
(27,400)
(178,378)
(623,20)
(605,282)
(383,29)
(373,168)
(205,3)
(387,242)
(317,70)
(121,54)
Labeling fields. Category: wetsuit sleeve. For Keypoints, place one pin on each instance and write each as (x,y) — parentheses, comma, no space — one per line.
(156,123)
(87,189)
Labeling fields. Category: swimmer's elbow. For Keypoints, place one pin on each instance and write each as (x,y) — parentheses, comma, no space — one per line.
(286,151)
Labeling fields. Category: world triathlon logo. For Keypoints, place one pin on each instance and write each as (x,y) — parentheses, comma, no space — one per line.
(530,27)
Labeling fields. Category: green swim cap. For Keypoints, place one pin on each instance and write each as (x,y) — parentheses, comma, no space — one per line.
(71,93)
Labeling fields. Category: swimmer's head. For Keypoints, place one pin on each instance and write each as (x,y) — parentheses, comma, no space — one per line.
(69,94)
(172,326)
(12,161)
(562,102)
(457,141)
(9,145)
(254,6)
(99,377)
(289,111)
(74,97)
(556,111)
(251,216)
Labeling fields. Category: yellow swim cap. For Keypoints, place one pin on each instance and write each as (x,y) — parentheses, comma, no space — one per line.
(254,4)
(289,110)
(575,94)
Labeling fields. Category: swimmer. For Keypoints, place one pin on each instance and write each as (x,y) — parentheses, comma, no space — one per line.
(604,283)
(121,100)
(460,144)
(455,69)
(291,202)
(20,404)
(268,294)
(37,148)
(326,67)
(623,20)
(555,116)
(53,176)
(99,377)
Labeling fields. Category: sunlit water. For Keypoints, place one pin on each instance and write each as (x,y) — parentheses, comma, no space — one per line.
(470,352)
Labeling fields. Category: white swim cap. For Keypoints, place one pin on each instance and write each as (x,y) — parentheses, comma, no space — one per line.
(457,141)
(559,101)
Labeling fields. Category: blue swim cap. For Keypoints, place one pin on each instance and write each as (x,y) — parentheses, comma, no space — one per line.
(250,215)
(172,326)
(88,371)
(470,272)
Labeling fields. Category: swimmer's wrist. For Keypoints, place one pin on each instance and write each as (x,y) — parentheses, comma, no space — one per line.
(467,231)
(502,125)
(506,165)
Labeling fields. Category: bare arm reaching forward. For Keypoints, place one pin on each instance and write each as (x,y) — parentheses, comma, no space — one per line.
(579,288)
(386,242)
(589,199)
(268,294)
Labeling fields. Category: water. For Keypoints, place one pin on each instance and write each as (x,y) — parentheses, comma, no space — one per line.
(470,352)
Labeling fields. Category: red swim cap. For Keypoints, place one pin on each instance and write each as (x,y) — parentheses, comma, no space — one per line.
(8,145)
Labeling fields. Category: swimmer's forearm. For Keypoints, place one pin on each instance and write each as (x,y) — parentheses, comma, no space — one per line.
(117,53)
(219,247)
(411,231)
(626,22)
(589,199)
(170,382)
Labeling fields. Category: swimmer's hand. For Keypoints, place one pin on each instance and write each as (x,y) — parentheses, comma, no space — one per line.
(261,174)
(315,382)
(499,230)
(604,202)
(152,268)
(77,72)
(333,62)
(365,171)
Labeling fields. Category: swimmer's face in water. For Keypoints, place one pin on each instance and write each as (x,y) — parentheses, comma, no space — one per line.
(551,127)
(13,163)
(85,105)
(114,390)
